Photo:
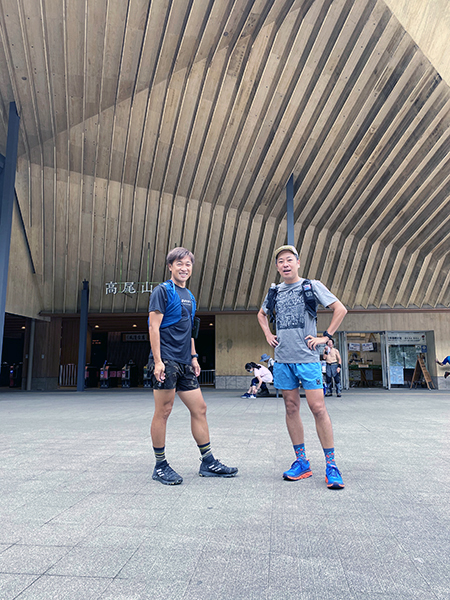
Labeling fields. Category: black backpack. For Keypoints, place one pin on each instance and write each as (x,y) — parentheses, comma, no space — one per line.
(308,296)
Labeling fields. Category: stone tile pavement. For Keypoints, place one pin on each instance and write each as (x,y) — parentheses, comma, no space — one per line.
(81,518)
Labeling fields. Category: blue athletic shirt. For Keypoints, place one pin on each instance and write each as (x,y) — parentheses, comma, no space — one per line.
(175,340)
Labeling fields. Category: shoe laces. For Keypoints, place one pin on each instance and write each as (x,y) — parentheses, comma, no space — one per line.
(298,461)
(167,470)
(332,470)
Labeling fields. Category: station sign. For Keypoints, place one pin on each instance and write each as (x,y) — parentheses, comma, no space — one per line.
(130,287)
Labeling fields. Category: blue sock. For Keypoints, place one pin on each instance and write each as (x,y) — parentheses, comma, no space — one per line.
(329,455)
(299,450)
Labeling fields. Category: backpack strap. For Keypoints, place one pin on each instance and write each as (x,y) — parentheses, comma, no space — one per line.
(271,302)
(309,298)
(173,309)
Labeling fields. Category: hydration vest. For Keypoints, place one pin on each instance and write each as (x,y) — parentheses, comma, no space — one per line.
(173,308)
(308,297)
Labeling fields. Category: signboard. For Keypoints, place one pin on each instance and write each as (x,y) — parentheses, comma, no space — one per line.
(354,347)
(135,337)
(130,287)
(406,337)
(368,347)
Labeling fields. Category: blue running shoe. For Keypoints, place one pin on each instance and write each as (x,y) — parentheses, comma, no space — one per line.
(166,475)
(300,469)
(216,469)
(333,478)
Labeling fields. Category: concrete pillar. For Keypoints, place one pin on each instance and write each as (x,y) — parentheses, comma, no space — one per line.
(290,210)
(7,181)
(83,336)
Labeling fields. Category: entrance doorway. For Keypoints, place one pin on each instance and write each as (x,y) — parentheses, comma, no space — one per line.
(364,359)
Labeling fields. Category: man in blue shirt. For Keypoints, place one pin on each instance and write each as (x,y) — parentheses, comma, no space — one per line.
(446,361)
(174,368)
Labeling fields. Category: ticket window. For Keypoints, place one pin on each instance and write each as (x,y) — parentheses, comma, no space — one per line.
(364,360)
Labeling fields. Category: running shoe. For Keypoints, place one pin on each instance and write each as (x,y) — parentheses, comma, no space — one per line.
(216,469)
(300,469)
(166,475)
(246,395)
(252,396)
(446,374)
(333,478)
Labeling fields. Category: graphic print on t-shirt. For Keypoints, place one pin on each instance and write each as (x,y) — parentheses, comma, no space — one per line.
(291,310)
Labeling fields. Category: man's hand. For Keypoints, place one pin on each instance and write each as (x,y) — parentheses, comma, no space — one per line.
(195,366)
(312,342)
(160,371)
(272,340)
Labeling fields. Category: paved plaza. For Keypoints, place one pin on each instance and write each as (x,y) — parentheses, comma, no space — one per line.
(82,519)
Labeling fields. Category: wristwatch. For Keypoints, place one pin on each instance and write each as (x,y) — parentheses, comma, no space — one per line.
(328,335)
(194,355)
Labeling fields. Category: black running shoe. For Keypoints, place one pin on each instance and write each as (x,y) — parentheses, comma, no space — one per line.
(216,469)
(166,475)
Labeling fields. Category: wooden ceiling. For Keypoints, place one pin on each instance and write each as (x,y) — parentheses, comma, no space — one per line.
(147,124)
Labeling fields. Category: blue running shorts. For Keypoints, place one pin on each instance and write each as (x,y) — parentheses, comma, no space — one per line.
(288,376)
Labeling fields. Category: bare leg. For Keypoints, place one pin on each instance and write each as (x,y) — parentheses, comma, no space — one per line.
(193,400)
(163,407)
(293,421)
(316,403)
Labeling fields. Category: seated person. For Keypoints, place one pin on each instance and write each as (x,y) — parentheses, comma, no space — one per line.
(446,361)
(262,375)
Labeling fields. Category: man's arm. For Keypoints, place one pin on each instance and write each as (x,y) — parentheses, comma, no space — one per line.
(339,312)
(155,320)
(264,324)
(259,384)
(339,359)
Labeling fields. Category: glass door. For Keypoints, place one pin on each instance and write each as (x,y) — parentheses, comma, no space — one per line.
(384,361)
(342,341)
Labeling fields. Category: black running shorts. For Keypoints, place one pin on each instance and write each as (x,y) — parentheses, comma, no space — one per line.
(179,376)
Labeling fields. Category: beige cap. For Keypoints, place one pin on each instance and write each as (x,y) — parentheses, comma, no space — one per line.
(288,249)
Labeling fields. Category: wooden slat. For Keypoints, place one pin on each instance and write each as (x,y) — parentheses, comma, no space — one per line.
(150,124)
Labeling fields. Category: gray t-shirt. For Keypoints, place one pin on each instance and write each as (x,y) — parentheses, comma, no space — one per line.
(294,323)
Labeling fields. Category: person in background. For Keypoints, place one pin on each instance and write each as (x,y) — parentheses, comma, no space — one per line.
(262,375)
(446,361)
(333,368)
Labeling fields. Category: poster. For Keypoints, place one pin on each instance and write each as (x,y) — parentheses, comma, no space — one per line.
(397,376)
(368,347)
(354,347)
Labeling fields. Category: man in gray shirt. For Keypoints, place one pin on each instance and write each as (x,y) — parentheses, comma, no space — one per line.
(297,358)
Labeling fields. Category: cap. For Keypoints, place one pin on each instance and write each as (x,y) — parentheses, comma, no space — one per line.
(288,248)
(265,357)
